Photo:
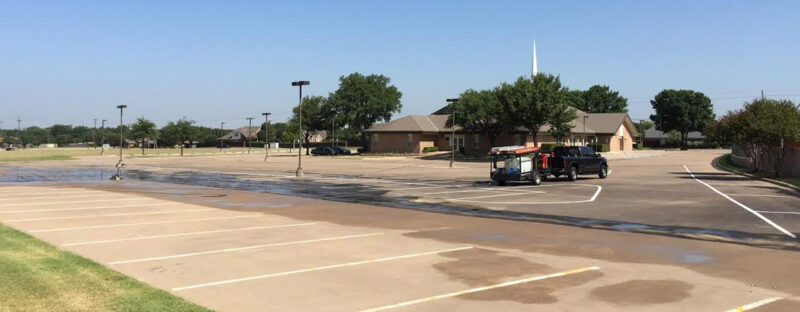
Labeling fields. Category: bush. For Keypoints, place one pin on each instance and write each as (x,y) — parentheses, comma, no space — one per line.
(550,146)
(640,146)
(600,148)
(430,149)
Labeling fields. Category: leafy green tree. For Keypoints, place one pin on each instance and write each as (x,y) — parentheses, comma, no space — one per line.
(179,132)
(683,111)
(314,117)
(766,125)
(561,121)
(32,135)
(143,129)
(364,100)
(535,102)
(642,126)
(601,99)
(481,112)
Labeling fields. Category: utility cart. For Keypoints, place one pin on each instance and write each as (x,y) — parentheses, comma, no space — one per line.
(518,163)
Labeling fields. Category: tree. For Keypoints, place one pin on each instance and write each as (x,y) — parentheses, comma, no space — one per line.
(481,112)
(683,111)
(364,100)
(534,102)
(561,121)
(599,99)
(179,132)
(642,127)
(314,117)
(143,129)
(764,126)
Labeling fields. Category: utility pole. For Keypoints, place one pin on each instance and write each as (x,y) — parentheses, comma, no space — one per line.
(249,133)
(103,137)
(301,83)
(94,134)
(19,130)
(117,176)
(222,134)
(453,135)
(266,135)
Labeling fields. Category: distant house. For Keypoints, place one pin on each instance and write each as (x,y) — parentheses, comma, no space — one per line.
(239,136)
(411,134)
(656,138)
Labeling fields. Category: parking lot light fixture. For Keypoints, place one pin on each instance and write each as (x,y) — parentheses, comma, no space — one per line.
(266,135)
(300,84)
(120,164)
(249,133)
(453,128)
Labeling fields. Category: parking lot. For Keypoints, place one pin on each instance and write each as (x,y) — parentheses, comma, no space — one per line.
(244,251)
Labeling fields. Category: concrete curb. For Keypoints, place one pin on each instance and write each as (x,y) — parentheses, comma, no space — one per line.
(784,185)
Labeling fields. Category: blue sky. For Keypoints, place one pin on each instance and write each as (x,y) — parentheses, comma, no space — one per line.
(212,61)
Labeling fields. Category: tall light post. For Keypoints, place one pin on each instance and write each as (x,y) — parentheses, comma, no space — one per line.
(102,136)
(584,129)
(94,134)
(300,84)
(222,134)
(266,135)
(453,135)
(121,142)
(249,133)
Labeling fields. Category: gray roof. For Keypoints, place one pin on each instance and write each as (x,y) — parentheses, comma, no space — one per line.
(243,132)
(607,123)
(415,124)
(652,133)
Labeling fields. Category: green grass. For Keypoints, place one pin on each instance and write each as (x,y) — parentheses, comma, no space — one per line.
(35,276)
(727,163)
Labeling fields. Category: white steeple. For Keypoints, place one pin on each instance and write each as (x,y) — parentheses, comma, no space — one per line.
(534,66)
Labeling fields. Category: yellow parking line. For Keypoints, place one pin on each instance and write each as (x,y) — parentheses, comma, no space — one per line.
(484,288)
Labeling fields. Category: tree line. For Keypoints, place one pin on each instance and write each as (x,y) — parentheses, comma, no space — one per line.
(531,103)
(762,128)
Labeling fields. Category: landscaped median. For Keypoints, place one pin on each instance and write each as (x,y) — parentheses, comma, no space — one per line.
(726,163)
(36,276)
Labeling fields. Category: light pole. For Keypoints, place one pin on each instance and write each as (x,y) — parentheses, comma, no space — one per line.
(249,133)
(300,84)
(121,141)
(266,135)
(453,135)
(102,137)
(222,134)
(94,134)
(584,129)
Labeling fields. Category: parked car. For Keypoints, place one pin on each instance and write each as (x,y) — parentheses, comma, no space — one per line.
(339,150)
(574,160)
(323,150)
(11,148)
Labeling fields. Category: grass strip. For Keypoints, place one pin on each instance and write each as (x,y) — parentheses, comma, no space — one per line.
(36,276)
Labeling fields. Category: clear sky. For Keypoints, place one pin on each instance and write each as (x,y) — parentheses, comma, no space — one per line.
(211,61)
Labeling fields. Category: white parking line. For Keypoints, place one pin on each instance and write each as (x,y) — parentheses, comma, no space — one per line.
(185,234)
(94,208)
(498,195)
(593,198)
(327,267)
(780,212)
(110,215)
(242,248)
(72,202)
(478,289)
(773,224)
(140,223)
(754,305)
(762,195)
(61,197)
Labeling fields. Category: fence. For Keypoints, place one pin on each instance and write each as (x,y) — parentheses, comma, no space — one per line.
(791,161)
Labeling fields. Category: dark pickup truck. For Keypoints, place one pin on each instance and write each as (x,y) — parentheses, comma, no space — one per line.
(574,160)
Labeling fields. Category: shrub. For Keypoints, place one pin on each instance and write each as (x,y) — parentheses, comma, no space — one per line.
(600,148)
(430,149)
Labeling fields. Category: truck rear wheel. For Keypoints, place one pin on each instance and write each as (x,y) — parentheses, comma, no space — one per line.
(603,172)
(536,178)
(573,173)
